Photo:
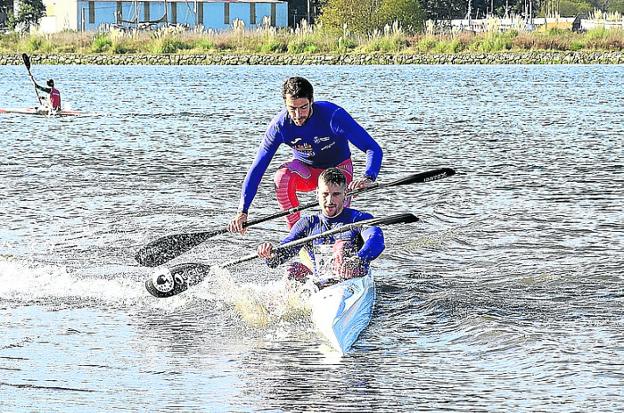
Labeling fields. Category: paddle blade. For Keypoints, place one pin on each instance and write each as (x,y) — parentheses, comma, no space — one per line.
(405,218)
(167,248)
(167,282)
(428,176)
(26,60)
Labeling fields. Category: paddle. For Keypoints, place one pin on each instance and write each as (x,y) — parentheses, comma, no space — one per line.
(169,247)
(169,282)
(26,60)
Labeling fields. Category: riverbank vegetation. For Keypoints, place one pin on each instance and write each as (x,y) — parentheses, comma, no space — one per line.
(308,40)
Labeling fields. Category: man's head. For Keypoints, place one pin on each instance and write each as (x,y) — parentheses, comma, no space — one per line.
(298,96)
(50,83)
(332,186)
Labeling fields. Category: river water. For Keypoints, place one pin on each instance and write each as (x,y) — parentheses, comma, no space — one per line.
(507,295)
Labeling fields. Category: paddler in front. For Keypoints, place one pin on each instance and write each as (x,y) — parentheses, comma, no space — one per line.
(319,134)
(54,96)
(341,256)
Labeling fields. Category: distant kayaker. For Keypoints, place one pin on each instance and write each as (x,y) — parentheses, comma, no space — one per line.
(319,134)
(54,96)
(341,256)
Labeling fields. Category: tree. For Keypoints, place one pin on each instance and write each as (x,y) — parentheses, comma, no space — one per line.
(616,6)
(29,14)
(365,16)
(571,8)
(408,13)
(355,14)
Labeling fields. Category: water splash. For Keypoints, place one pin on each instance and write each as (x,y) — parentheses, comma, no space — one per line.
(26,281)
(260,305)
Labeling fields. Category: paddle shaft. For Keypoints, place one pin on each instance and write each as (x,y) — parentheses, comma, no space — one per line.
(428,176)
(182,276)
(392,219)
(27,64)
(169,247)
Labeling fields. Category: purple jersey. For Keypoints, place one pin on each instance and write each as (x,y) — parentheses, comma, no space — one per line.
(369,241)
(321,142)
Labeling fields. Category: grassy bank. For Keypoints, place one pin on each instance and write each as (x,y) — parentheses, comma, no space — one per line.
(306,41)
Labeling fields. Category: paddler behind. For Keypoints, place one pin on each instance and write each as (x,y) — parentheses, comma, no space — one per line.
(335,258)
(54,96)
(319,134)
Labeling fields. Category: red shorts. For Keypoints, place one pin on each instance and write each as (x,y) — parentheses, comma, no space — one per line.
(295,176)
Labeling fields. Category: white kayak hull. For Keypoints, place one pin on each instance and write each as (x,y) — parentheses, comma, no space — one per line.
(342,311)
(41,112)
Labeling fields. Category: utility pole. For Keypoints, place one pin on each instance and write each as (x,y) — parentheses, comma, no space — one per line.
(309,17)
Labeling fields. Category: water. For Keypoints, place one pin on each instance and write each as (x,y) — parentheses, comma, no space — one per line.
(507,296)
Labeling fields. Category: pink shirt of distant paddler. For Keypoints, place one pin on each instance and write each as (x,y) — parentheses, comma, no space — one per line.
(55,98)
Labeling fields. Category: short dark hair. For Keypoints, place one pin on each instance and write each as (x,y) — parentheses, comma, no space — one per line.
(333,176)
(297,87)
(51,83)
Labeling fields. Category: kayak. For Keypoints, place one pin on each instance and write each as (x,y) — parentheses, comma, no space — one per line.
(41,112)
(342,311)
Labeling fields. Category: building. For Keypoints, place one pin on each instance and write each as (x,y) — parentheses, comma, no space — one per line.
(91,15)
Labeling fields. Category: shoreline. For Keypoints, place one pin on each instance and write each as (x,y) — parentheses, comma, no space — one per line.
(528,57)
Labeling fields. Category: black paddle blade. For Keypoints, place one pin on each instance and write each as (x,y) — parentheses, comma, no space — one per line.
(167,282)
(167,248)
(395,219)
(26,60)
(428,176)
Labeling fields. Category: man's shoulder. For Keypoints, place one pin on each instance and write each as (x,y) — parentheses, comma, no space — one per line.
(306,222)
(280,118)
(350,215)
(277,123)
(358,215)
(326,106)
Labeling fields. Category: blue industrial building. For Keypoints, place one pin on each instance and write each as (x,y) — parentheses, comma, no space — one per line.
(91,15)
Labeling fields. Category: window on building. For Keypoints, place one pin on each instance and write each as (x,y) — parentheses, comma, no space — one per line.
(91,12)
(146,11)
(200,13)
(226,13)
(252,13)
(119,13)
(174,13)
(273,14)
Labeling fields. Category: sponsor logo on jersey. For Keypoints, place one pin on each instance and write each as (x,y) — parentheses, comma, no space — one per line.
(304,148)
(319,139)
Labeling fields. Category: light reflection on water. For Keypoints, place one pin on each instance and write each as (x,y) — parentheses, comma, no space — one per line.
(507,296)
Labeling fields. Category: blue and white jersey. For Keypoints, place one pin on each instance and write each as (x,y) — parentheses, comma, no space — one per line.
(321,142)
(368,241)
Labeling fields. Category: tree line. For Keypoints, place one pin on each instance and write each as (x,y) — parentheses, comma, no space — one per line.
(366,16)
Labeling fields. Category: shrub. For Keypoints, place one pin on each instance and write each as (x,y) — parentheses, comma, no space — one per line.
(386,44)
(301,45)
(493,42)
(345,44)
(101,43)
(426,44)
(168,45)
(205,44)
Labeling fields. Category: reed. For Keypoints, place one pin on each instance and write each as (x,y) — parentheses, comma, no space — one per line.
(306,39)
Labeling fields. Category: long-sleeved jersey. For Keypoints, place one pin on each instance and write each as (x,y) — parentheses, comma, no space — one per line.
(369,241)
(321,142)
